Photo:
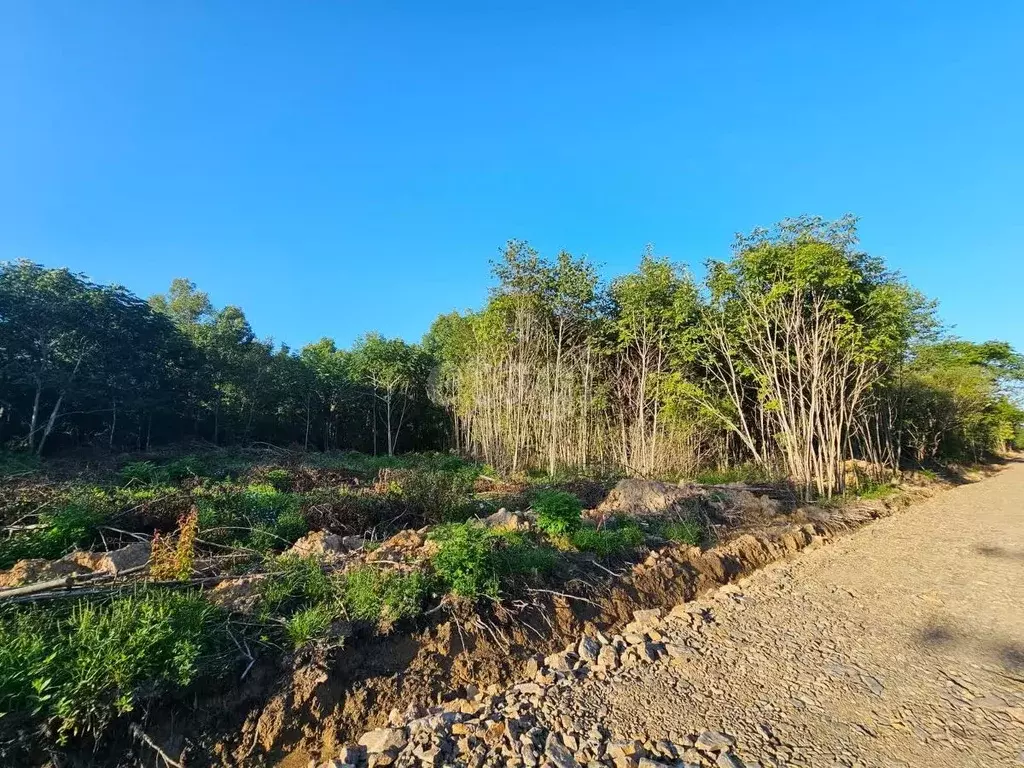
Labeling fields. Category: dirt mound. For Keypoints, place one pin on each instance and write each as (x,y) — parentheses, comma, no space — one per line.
(646,498)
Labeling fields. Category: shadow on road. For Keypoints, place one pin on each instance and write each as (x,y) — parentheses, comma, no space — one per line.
(994,550)
(941,636)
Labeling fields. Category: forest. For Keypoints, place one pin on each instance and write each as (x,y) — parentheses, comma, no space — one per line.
(796,354)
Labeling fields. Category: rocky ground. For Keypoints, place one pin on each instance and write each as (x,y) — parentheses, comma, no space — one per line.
(901,644)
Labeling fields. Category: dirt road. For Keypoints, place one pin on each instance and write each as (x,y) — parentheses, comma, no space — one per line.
(900,644)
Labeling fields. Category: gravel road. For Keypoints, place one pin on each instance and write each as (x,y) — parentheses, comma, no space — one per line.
(900,644)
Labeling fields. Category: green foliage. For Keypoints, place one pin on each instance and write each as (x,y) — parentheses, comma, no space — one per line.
(72,524)
(258,515)
(609,541)
(280,478)
(78,670)
(383,597)
(472,560)
(308,625)
(558,512)
(434,495)
(742,473)
(872,490)
(683,532)
(295,582)
(18,463)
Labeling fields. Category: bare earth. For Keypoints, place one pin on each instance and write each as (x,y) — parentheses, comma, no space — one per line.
(900,644)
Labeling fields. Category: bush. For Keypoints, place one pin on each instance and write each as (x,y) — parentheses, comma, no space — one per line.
(258,516)
(78,670)
(294,582)
(432,495)
(383,597)
(558,512)
(472,560)
(683,531)
(281,479)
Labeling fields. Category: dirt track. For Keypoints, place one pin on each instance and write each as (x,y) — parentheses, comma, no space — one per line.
(900,644)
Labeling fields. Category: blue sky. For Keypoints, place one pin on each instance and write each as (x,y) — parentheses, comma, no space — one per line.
(337,167)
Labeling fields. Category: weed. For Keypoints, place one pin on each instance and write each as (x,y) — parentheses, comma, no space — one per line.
(472,560)
(80,669)
(683,531)
(605,542)
(383,597)
(174,559)
(558,512)
(281,479)
(308,625)
(293,582)
(72,525)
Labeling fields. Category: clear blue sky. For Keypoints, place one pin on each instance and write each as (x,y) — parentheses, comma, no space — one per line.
(337,167)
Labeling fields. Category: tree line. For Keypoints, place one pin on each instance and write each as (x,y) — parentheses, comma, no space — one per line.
(797,353)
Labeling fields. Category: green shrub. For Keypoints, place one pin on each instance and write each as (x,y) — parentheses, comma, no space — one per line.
(257,516)
(78,670)
(281,479)
(383,597)
(16,463)
(139,472)
(605,542)
(472,560)
(558,512)
(683,531)
(433,495)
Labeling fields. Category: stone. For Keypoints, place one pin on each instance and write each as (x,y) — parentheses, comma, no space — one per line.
(728,760)
(384,740)
(608,657)
(648,652)
(560,662)
(646,762)
(715,741)
(649,618)
(558,754)
(505,520)
(351,754)
(588,649)
(132,556)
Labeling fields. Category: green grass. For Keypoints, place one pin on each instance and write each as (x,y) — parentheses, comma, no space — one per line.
(78,669)
(309,625)
(683,532)
(744,473)
(383,597)
(72,524)
(17,463)
(606,542)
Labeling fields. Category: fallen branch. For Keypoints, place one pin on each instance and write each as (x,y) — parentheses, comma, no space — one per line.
(564,594)
(141,735)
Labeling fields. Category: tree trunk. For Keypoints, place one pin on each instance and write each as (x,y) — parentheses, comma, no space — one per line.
(33,424)
(113,422)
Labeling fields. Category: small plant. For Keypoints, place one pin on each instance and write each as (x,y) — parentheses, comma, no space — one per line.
(472,560)
(308,625)
(558,512)
(295,581)
(281,479)
(175,558)
(605,542)
(72,525)
(683,531)
(383,597)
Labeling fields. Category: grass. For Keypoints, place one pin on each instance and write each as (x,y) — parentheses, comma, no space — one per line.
(73,524)
(606,542)
(683,532)
(383,597)
(75,671)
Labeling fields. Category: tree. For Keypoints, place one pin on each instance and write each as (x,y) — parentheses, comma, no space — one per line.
(389,367)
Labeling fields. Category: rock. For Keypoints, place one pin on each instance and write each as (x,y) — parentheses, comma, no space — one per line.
(646,762)
(505,520)
(132,556)
(384,740)
(403,545)
(588,649)
(715,741)
(650,617)
(560,662)
(558,754)
(648,652)
(351,754)
(608,657)
(728,760)
(624,749)
(37,569)
(318,544)
(352,543)
(679,651)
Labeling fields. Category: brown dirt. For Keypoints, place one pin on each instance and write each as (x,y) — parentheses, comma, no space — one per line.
(331,701)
